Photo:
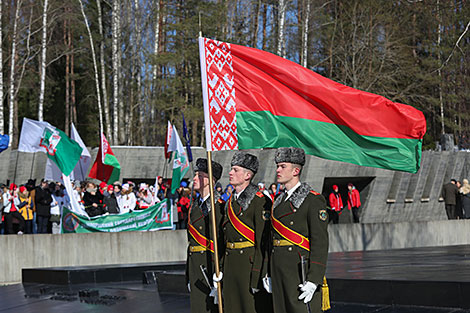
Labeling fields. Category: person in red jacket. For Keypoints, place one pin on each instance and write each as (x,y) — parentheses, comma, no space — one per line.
(354,202)
(336,204)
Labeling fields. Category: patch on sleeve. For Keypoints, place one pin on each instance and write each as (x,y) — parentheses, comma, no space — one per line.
(314,192)
(323,215)
(221,201)
(260,194)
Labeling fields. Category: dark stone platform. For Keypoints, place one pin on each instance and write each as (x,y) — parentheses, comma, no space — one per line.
(431,276)
(95,274)
(419,280)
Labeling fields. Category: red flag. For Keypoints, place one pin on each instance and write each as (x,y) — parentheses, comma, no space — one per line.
(106,167)
(254,99)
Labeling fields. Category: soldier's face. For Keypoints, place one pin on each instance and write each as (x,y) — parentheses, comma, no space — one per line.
(238,175)
(285,172)
(200,180)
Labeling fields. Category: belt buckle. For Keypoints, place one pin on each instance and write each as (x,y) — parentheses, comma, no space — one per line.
(232,245)
(278,242)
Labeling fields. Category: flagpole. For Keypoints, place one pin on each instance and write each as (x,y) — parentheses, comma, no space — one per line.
(32,166)
(214,229)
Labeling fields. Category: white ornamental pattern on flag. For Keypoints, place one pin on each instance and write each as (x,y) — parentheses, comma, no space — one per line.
(220,105)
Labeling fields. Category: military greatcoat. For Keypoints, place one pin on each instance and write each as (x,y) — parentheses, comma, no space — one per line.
(244,264)
(199,217)
(305,213)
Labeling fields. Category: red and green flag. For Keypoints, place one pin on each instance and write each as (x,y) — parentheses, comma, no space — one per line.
(106,167)
(254,99)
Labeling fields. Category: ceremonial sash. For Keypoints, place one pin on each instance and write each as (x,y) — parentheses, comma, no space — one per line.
(294,237)
(243,229)
(200,239)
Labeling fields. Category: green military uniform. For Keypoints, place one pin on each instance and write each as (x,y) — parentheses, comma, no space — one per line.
(199,217)
(305,213)
(245,263)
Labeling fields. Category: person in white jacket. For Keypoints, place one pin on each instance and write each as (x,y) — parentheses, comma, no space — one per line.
(10,211)
(127,201)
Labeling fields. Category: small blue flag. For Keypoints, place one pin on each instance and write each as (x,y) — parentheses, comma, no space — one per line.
(187,139)
(4,141)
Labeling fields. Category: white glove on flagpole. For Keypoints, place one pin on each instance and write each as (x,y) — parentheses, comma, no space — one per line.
(215,279)
(267,284)
(307,288)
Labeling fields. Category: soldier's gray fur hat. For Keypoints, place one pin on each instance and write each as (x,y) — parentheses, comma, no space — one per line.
(290,155)
(201,166)
(245,160)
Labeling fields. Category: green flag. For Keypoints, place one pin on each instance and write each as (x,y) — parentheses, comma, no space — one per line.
(62,150)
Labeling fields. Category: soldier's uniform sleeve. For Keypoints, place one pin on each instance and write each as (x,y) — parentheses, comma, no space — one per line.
(220,217)
(318,236)
(259,266)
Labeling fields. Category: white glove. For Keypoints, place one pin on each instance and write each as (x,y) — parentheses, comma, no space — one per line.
(216,279)
(307,288)
(254,290)
(189,287)
(214,293)
(267,284)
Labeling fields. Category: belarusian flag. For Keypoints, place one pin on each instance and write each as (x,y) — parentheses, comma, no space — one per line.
(62,150)
(254,99)
(106,167)
(180,162)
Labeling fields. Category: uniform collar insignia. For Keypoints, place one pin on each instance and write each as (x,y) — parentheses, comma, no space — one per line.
(247,196)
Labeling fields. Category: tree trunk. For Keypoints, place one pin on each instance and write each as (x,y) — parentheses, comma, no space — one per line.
(2,126)
(95,67)
(12,74)
(67,81)
(305,30)
(256,13)
(43,63)
(116,16)
(72,82)
(439,71)
(137,68)
(281,18)
(265,16)
(107,119)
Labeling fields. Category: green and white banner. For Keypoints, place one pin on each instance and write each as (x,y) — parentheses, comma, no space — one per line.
(154,218)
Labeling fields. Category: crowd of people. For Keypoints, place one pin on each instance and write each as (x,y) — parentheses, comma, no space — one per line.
(31,208)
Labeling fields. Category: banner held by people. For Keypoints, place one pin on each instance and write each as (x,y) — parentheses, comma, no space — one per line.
(254,99)
(156,217)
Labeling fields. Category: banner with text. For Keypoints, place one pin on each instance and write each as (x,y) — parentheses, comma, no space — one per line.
(154,218)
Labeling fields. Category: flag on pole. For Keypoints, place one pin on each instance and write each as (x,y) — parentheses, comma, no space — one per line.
(254,99)
(80,171)
(106,167)
(180,161)
(4,141)
(62,150)
(169,131)
(31,134)
(187,139)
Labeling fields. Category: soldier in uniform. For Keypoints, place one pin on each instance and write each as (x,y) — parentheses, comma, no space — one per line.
(245,262)
(299,220)
(201,246)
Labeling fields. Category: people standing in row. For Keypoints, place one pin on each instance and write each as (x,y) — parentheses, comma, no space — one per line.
(354,202)
(336,204)
(243,230)
(450,193)
(300,221)
(43,207)
(201,245)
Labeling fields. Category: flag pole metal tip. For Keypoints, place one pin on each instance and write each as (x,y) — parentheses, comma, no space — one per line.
(214,229)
